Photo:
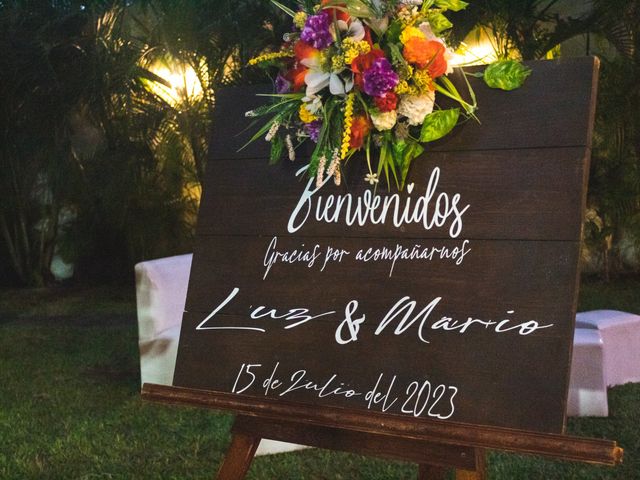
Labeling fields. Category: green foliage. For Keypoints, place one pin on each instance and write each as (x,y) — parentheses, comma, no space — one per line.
(95,164)
(405,152)
(614,183)
(438,124)
(439,23)
(453,5)
(506,75)
(532,28)
(524,28)
(130,188)
(37,108)
(613,223)
(277,149)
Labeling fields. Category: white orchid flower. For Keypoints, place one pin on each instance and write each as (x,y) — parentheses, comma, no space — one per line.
(317,79)
(354,30)
(313,103)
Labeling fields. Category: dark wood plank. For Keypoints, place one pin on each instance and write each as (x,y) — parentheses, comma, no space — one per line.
(555,108)
(238,458)
(546,268)
(523,194)
(379,445)
(469,380)
(474,269)
(565,447)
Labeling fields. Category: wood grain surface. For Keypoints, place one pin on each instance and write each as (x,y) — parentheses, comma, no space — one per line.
(579,449)
(452,301)
(553,109)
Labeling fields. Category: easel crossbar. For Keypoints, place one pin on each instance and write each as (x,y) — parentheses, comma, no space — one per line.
(558,446)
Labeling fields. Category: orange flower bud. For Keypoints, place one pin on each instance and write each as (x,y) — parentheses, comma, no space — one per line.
(359,130)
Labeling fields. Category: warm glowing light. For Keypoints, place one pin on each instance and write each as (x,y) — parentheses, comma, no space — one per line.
(477,49)
(478,54)
(183,82)
(193,190)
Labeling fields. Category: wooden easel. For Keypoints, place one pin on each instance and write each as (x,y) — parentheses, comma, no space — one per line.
(469,462)
(530,155)
(435,446)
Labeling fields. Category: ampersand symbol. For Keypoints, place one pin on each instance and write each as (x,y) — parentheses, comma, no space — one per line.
(352,324)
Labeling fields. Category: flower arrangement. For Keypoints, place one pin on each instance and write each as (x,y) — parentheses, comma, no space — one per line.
(354,74)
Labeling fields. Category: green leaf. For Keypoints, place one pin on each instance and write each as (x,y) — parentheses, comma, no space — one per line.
(413,150)
(399,147)
(393,32)
(355,8)
(453,5)
(439,23)
(506,74)
(426,5)
(437,124)
(287,110)
(282,95)
(396,55)
(284,8)
(277,147)
(312,171)
(386,163)
(268,108)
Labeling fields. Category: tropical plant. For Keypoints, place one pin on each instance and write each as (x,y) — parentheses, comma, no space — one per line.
(526,29)
(531,29)
(614,184)
(35,150)
(130,204)
(95,163)
(214,39)
(155,146)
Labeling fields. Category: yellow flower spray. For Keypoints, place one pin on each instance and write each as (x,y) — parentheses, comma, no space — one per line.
(353,49)
(305,115)
(269,56)
(348,120)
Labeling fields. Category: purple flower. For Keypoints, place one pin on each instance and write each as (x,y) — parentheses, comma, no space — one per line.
(380,78)
(313,129)
(316,31)
(282,84)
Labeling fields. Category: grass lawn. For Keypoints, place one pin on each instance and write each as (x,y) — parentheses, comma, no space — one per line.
(70,409)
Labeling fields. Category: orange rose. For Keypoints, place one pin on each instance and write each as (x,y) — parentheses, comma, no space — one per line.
(438,65)
(426,54)
(359,130)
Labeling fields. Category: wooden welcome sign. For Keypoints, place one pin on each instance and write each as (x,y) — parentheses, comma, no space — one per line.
(441,314)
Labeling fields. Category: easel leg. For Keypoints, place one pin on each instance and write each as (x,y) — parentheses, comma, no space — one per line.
(238,457)
(431,472)
(481,468)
